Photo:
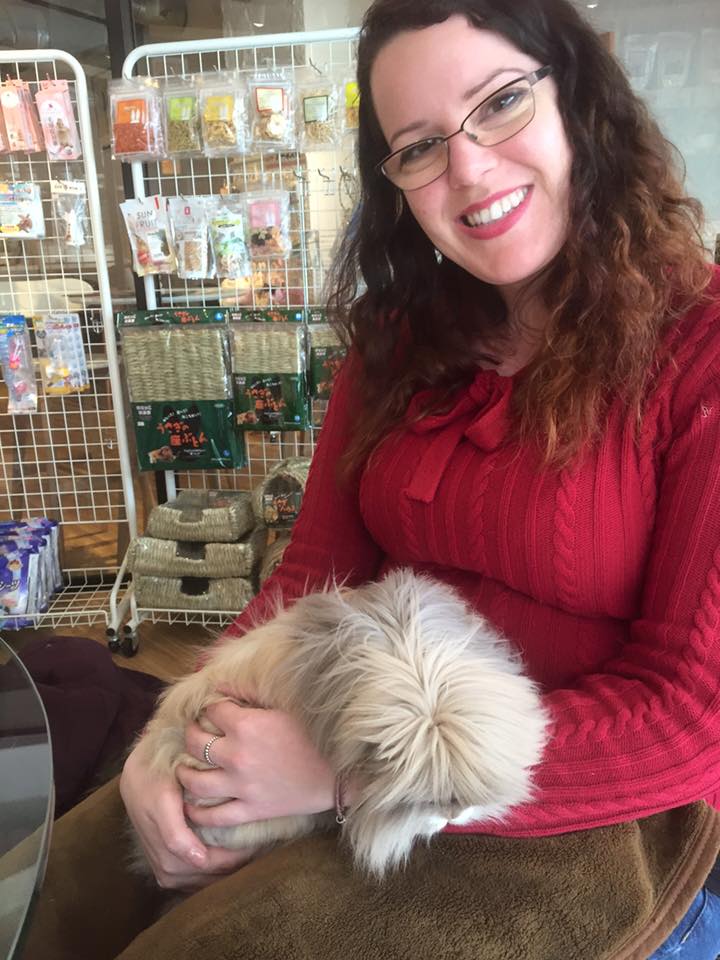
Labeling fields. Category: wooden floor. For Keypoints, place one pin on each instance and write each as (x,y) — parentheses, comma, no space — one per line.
(165,650)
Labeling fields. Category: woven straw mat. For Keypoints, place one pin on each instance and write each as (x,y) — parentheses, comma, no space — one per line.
(176,363)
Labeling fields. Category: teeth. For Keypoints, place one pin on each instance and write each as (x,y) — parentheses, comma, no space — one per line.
(498,209)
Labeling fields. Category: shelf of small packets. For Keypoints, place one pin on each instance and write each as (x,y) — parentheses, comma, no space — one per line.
(237,237)
(200,379)
(38,118)
(32,125)
(35,591)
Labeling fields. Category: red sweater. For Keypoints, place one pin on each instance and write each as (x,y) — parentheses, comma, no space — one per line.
(605,574)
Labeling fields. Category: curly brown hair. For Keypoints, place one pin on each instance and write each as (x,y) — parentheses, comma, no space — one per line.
(633,259)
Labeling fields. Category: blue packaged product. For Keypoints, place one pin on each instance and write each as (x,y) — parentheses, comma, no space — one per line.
(16,587)
(41,526)
(39,545)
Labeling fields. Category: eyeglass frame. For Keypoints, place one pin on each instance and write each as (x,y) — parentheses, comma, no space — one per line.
(535,76)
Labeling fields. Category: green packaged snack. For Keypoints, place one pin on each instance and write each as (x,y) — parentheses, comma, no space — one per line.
(177,365)
(326,357)
(269,377)
(187,435)
(181,105)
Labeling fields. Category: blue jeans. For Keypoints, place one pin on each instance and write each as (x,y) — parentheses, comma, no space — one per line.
(697,936)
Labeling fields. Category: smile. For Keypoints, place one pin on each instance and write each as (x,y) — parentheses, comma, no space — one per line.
(497,210)
(493,219)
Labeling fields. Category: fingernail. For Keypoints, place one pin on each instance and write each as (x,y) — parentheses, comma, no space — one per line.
(197,855)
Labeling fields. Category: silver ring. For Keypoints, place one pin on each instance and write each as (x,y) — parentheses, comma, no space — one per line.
(206,752)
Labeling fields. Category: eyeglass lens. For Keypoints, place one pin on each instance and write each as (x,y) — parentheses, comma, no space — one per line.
(493,121)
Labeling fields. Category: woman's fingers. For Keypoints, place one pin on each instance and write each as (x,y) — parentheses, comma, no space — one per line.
(196,739)
(205,784)
(228,814)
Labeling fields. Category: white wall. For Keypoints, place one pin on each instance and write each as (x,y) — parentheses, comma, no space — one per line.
(671,49)
(329,14)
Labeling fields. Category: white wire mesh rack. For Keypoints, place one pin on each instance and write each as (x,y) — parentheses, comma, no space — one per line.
(322,186)
(84,600)
(69,459)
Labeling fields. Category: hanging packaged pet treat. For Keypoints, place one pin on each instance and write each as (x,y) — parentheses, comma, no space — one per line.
(191,239)
(269,376)
(227,237)
(4,142)
(269,224)
(351,111)
(177,366)
(57,120)
(21,123)
(319,120)
(271,111)
(223,116)
(21,211)
(61,353)
(136,127)
(149,233)
(70,207)
(181,109)
(326,357)
(17,365)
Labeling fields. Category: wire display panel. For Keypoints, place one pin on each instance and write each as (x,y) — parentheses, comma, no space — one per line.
(66,460)
(322,185)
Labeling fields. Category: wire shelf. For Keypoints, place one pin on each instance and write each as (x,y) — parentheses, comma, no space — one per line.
(322,187)
(204,618)
(69,459)
(83,601)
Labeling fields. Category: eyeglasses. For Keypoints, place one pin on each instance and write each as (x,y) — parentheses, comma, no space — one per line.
(494,120)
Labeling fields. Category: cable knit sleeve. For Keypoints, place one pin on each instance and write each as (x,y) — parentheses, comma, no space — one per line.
(643,735)
(329,539)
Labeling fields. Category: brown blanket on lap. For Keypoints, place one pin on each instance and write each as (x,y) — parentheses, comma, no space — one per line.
(608,894)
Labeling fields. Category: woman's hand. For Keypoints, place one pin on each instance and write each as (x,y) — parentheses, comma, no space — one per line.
(265,762)
(178,858)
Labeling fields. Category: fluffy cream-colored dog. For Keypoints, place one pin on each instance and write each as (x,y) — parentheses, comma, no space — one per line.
(398,683)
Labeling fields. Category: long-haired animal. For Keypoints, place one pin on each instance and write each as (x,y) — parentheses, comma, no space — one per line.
(398,683)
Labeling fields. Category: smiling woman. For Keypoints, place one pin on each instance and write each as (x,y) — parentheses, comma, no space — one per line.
(530,415)
(495,202)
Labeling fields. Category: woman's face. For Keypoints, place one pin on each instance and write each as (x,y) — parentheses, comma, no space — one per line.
(430,79)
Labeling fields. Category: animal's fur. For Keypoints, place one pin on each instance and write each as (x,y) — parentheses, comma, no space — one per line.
(397,682)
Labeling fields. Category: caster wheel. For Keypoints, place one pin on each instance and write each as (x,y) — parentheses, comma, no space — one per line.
(129,645)
(113,641)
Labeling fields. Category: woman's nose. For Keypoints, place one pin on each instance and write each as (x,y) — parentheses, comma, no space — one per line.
(468,160)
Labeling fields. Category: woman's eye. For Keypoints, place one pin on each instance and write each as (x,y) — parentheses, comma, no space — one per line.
(416,151)
(505,100)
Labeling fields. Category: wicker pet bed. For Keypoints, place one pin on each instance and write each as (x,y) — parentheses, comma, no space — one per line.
(276,500)
(172,593)
(204,516)
(149,556)
(272,557)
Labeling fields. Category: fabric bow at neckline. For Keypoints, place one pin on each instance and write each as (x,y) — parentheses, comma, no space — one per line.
(479,413)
